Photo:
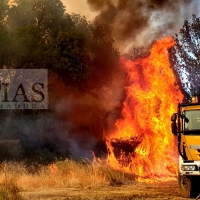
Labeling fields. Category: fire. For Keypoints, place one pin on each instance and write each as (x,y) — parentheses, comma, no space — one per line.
(53,169)
(143,143)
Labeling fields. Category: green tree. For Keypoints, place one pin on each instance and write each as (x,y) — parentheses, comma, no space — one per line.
(4,39)
(185,56)
(42,35)
(91,57)
(33,24)
(3,9)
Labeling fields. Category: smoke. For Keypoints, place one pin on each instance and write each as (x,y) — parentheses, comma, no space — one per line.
(81,120)
(44,136)
(139,23)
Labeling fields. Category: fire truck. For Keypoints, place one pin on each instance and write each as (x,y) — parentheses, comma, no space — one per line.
(185,124)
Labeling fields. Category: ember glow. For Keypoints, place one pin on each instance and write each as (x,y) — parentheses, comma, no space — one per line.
(143,143)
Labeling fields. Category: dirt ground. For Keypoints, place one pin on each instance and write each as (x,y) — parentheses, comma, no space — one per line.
(136,191)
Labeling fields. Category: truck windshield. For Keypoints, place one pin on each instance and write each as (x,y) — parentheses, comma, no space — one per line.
(191,120)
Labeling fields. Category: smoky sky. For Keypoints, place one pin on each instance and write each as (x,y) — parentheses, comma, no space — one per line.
(140,22)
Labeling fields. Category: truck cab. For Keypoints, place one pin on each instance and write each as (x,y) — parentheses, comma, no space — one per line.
(185,124)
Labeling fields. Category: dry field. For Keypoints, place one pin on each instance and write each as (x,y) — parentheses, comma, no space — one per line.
(77,180)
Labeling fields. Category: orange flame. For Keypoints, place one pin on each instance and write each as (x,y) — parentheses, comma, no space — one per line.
(143,143)
(53,169)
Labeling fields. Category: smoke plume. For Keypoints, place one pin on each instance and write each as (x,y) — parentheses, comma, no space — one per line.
(139,23)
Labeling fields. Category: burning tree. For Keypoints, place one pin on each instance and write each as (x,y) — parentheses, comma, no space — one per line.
(185,56)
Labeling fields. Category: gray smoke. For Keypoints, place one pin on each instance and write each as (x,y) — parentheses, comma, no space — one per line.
(140,22)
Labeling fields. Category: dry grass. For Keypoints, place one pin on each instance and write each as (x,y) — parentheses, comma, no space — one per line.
(65,174)
(9,189)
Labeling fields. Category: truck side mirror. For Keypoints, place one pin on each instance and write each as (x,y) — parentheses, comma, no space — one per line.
(173,117)
(174,128)
(173,124)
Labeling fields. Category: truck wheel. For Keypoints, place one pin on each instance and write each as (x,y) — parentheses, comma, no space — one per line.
(185,186)
(188,186)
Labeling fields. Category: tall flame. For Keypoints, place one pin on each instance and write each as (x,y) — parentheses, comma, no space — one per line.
(143,143)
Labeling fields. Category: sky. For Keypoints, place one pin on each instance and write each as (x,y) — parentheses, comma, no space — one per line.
(80,7)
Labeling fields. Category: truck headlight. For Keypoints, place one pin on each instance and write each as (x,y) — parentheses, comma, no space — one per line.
(189,168)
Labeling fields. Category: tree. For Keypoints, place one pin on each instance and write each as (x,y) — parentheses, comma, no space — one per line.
(3,9)
(185,56)
(4,40)
(33,24)
(43,35)
(40,34)
(100,56)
